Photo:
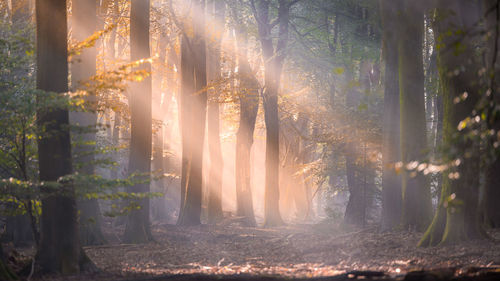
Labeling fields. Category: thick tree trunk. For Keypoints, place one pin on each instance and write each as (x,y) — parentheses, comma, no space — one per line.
(59,249)
(138,228)
(217,11)
(457,216)
(83,23)
(417,206)
(193,116)
(391,182)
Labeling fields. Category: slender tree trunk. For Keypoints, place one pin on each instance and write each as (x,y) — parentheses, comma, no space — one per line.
(116,142)
(158,206)
(391,182)
(59,249)
(417,206)
(217,12)
(273,62)
(353,158)
(138,229)
(248,94)
(193,116)
(300,160)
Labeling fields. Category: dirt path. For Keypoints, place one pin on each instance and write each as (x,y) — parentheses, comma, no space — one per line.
(298,251)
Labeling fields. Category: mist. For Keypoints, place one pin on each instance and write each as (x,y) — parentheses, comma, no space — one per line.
(249,140)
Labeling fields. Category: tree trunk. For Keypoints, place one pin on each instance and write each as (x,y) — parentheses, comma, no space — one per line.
(59,249)
(217,14)
(248,93)
(83,23)
(193,116)
(138,228)
(354,212)
(457,216)
(492,190)
(300,193)
(417,206)
(273,63)
(158,206)
(391,182)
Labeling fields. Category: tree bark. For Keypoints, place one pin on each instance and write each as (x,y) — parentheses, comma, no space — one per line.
(492,190)
(138,229)
(248,94)
(417,206)
(217,14)
(59,249)
(273,62)
(193,116)
(391,182)
(457,216)
(354,212)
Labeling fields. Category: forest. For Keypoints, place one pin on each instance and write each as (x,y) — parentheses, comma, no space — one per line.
(249,140)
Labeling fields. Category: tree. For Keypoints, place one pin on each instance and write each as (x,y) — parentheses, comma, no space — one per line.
(417,206)
(18,227)
(248,94)
(138,228)
(274,59)
(83,21)
(491,214)
(216,10)
(59,249)
(457,214)
(193,111)
(391,184)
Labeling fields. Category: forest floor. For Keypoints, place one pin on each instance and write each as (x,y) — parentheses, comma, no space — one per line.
(298,251)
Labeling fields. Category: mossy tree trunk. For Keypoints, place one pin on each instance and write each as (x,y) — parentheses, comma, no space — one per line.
(417,206)
(457,216)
